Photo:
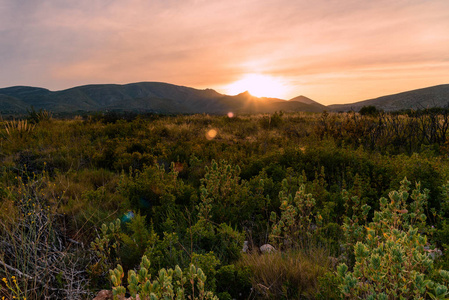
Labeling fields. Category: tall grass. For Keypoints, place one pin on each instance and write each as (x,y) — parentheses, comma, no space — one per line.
(18,127)
(292,274)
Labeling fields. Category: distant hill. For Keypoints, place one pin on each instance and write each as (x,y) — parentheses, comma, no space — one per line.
(159,97)
(304,100)
(155,97)
(435,96)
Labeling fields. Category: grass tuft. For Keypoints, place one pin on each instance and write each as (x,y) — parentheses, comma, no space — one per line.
(287,275)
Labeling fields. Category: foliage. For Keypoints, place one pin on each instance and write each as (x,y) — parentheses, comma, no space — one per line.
(296,224)
(369,110)
(18,128)
(206,232)
(38,116)
(234,280)
(390,260)
(37,260)
(181,196)
(170,284)
(292,274)
(106,247)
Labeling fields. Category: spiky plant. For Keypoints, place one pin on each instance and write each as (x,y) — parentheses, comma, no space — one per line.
(18,128)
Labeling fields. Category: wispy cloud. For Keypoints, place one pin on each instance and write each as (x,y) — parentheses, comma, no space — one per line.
(349,47)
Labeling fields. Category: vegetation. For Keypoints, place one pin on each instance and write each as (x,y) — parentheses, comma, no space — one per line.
(355,206)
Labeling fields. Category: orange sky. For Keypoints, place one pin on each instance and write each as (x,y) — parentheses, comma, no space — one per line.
(332,51)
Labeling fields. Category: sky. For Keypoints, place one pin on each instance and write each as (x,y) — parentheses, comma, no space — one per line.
(332,51)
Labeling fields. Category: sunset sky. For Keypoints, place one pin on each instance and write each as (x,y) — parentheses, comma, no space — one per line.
(332,51)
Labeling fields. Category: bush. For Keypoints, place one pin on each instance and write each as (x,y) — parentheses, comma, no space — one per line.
(234,281)
(369,110)
(390,260)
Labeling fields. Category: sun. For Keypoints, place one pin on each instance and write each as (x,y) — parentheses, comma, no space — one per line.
(258,85)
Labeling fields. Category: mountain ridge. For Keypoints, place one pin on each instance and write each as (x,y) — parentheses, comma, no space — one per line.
(161,97)
(433,96)
(158,97)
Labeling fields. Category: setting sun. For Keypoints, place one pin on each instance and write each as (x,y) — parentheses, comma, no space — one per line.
(258,85)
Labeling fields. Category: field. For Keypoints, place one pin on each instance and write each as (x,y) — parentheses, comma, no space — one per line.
(355,205)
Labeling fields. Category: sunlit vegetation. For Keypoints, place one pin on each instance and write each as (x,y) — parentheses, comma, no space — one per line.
(355,205)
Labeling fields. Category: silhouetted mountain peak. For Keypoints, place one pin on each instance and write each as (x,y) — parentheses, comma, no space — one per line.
(245,94)
(303,99)
(156,97)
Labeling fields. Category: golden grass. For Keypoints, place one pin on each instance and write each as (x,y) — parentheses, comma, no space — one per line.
(18,126)
(287,275)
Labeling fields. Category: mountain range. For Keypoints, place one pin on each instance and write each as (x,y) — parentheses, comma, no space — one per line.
(161,97)
(155,97)
(435,96)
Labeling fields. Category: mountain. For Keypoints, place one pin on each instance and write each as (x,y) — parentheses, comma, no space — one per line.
(435,96)
(143,97)
(303,99)
(162,97)
(317,107)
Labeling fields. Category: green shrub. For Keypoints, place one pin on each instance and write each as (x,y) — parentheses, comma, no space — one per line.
(209,263)
(390,260)
(369,110)
(38,116)
(294,227)
(169,284)
(234,281)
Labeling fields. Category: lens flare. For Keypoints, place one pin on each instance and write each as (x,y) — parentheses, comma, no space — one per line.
(211,134)
(230,114)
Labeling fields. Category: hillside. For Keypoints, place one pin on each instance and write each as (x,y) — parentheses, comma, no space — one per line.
(144,97)
(435,96)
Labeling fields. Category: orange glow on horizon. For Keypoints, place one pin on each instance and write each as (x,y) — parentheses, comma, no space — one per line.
(258,85)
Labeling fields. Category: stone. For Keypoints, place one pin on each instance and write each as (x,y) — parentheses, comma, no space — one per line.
(107,295)
(267,248)
(104,295)
(245,247)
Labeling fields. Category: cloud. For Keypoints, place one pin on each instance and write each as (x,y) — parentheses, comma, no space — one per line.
(59,44)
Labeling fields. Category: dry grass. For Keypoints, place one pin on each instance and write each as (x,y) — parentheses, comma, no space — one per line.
(287,275)
(18,127)
(37,259)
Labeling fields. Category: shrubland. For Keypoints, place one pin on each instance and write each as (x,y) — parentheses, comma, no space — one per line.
(354,204)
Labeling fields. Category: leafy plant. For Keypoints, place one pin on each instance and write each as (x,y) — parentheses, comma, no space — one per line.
(296,224)
(170,284)
(390,260)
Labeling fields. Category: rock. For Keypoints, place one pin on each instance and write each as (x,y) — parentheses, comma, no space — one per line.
(267,248)
(104,295)
(433,253)
(245,247)
(107,295)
